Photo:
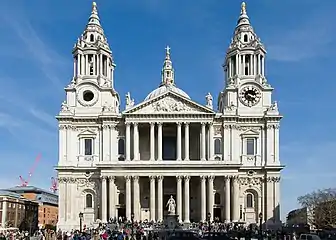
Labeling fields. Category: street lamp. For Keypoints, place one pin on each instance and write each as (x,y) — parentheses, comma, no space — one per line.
(132,220)
(80,221)
(260,225)
(209,218)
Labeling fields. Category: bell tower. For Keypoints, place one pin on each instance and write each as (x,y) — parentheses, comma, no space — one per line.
(246,91)
(91,90)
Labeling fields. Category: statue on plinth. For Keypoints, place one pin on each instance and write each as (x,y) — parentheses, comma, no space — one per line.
(171,205)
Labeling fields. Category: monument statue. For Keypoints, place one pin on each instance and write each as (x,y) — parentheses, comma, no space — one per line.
(171,205)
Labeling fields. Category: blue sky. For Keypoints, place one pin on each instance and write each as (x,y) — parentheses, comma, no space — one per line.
(36,63)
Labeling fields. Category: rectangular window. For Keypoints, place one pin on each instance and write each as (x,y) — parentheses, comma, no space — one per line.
(250,146)
(88,146)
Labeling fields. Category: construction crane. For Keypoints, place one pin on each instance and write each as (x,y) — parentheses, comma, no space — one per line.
(54,185)
(25,182)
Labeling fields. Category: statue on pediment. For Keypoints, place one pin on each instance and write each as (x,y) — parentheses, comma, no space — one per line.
(129,101)
(209,100)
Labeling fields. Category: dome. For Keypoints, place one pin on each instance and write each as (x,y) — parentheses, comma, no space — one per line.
(165,88)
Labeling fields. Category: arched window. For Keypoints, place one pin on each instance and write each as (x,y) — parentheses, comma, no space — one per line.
(245,38)
(249,200)
(121,146)
(91,38)
(121,198)
(217,198)
(88,200)
(218,146)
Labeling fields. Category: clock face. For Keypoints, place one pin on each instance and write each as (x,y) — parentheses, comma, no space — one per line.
(250,96)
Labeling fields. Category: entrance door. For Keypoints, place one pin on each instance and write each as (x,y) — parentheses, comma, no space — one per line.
(122,212)
(169,148)
(218,214)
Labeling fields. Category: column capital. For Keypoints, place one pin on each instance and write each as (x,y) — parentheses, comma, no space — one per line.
(203,178)
(227,177)
(111,178)
(135,178)
(178,177)
(152,124)
(203,124)
(135,124)
(186,123)
(128,178)
(179,124)
(103,178)
(152,178)
(211,177)
(159,178)
(159,123)
(186,178)
(210,123)
(127,123)
(235,178)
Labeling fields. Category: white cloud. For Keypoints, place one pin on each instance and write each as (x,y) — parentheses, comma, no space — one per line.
(44,117)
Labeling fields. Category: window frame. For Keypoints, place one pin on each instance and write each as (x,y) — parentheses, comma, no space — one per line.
(87,134)
(250,134)
(254,141)
(86,200)
(220,146)
(252,200)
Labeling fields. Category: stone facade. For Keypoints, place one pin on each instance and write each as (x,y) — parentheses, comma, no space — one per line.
(222,163)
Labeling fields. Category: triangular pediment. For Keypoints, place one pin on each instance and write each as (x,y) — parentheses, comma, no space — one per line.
(250,132)
(87,132)
(169,103)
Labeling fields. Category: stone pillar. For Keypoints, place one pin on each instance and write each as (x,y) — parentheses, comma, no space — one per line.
(104,198)
(227,191)
(128,197)
(276,215)
(4,213)
(78,65)
(112,194)
(186,199)
(259,64)
(203,198)
(152,141)
(235,209)
(135,141)
(211,196)
(203,149)
(152,198)
(179,196)
(160,198)
(87,70)
(101,64)
(128,141)
(186,141)
(136,198)
(179,141)
(106,142)
(211,141)
(159,157)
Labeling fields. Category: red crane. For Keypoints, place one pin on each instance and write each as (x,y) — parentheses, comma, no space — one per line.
(54,185)
(25,182)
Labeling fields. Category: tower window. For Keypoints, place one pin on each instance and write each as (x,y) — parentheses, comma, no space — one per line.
(88,146)
(245,38)
(91,38)
(249,200)
(218,147)
(121,147)
(88,200)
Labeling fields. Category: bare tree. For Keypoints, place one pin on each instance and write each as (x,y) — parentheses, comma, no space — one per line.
(321,207)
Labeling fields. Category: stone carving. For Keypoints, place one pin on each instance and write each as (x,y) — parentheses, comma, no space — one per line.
(129,101)
(170,105)
(65,107)
(273,107)
(250,181)
(218,130)
(107,108)
(171,205)
(209,99)
(231,107)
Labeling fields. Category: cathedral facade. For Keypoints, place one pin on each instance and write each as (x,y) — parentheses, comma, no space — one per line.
(216,163)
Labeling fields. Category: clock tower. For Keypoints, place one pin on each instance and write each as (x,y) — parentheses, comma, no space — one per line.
(247,92)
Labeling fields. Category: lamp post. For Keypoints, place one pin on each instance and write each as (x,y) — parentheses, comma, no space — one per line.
(80,221)
(132,220)
(260,225)
(209,223)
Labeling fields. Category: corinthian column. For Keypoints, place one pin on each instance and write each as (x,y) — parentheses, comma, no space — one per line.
(128,141)
(104,199)
(179,196)
(227,198)
(135,141)
(112,194)
(203,198)
(186,199)
(160,198)
(203,142)
(211,141)
(186,141)
(179,141)
(128,197)
(152,141)
(159,157)
(136,198)
(211,196)
(235,209)
(152,198)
